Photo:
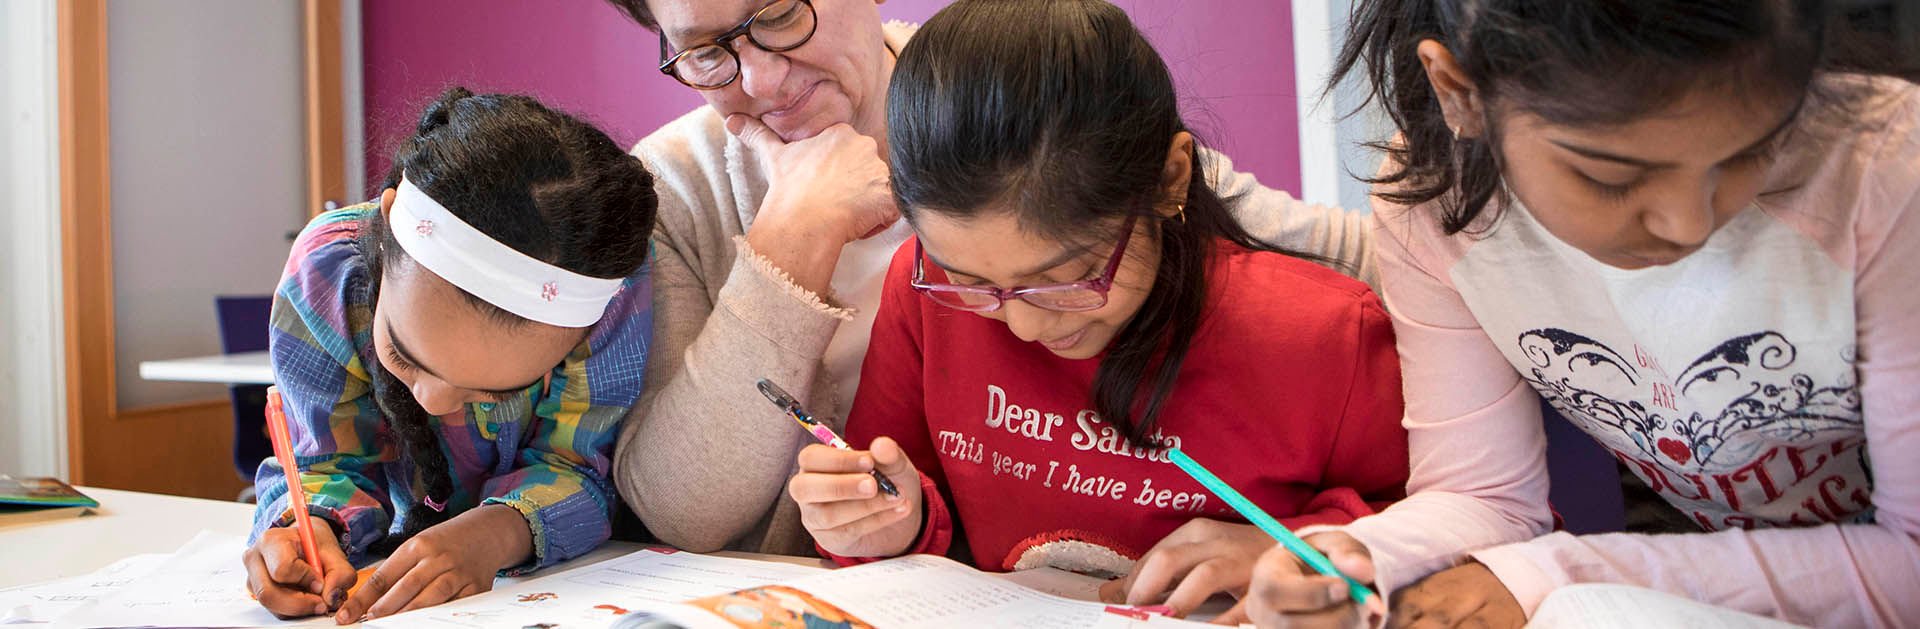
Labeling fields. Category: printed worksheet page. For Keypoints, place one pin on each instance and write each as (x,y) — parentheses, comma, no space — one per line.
(600,593)
(916,591)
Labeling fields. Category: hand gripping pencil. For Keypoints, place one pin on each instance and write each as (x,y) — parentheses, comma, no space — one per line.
(296,494)
(1266,523)
(820,431)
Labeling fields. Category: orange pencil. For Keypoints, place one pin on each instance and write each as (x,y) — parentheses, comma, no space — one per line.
(296,495)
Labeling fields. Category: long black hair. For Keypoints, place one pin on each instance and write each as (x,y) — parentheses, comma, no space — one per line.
(537,180)
(1581,63)
(1060,111)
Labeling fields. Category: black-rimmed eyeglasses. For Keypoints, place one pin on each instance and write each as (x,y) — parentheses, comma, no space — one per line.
(780,26)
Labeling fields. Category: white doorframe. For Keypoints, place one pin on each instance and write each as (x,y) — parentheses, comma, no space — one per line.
(33,423)
(1319,118)
(353,103)
(1332,133)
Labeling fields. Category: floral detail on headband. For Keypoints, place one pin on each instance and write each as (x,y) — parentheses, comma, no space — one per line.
(484,267)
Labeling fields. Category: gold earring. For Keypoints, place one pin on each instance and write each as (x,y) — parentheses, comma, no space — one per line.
(1180,213)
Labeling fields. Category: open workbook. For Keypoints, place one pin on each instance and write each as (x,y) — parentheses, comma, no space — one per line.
(660,589)
(203,585)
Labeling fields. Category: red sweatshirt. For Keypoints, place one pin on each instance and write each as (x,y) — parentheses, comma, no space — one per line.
(1290,393)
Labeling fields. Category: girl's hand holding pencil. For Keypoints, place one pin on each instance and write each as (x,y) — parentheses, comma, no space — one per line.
(280,577)
(297,570)
(1320,581)
(854,503)
(1202,558)
(844,508)
(1287,593)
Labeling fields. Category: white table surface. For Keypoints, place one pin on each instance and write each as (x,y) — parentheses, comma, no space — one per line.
(130,523)
(242,368)
(126,523)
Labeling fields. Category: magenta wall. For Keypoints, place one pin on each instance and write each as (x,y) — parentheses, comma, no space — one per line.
(1233,60)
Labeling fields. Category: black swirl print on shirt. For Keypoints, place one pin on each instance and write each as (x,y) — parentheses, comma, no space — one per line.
(1745,394)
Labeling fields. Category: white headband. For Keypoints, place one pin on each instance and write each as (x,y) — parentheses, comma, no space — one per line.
(494,272)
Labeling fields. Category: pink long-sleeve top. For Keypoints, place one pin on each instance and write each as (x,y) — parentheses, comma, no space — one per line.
(1767,386)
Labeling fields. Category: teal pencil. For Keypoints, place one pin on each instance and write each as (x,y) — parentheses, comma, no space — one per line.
(1265,522)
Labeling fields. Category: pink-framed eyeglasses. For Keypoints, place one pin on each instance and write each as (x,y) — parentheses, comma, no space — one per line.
(1078,296)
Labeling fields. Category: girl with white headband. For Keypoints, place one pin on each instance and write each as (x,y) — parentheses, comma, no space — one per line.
(455,359)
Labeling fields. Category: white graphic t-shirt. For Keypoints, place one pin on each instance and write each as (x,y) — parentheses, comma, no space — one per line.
(1734,401)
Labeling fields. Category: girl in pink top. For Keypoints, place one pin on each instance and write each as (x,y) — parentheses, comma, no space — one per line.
(1693,227)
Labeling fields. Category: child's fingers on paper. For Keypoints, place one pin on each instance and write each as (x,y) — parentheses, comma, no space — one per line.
(1169,560)
(1282,583)
(410,586)
(1266,608)
(1203,581)
(289,604)
(284,562)
(445,587)
(383,578)
(339,582)
(1343,617)
(1283,597)
(831,460)
(473,588)
(340,574)
(822,487)
(1156,572)
(1115,591)
(1234,616)
(283,601)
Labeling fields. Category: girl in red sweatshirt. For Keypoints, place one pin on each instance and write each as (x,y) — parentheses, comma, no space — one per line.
(1077,301)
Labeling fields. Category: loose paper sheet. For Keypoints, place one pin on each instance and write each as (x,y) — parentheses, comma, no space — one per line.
(44,602)
(201,585)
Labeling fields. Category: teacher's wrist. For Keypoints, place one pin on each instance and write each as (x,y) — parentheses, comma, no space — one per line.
(806,255)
